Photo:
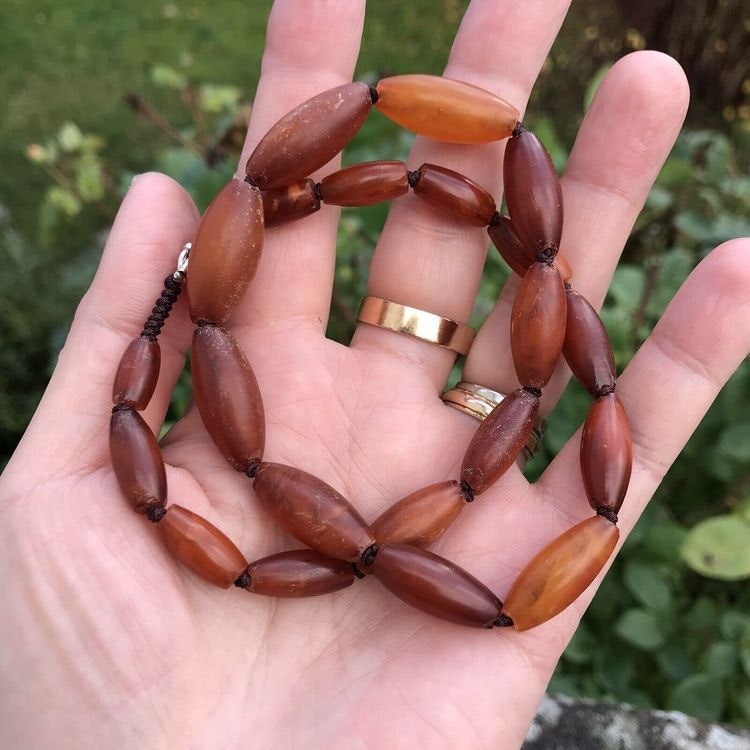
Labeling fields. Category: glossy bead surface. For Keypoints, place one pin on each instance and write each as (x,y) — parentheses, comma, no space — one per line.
(435,585)
(200,546)
(309,136)
(506,242)
(227,395)
(606,453)
(289,202)
(422,517)
(537,325)
(225,252)
(499,440)
(454,194)
(563,267)
(313,512)
(445,110)
(560,573)
(365,184)
(300,572)
(137,460)
(137,373)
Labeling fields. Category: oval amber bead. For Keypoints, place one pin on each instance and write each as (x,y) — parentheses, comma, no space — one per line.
(313,512)
(200,546)
(456,195)
(137,373)
(560,573)
(537,325)
(606,453)
(227,395)
(300,572)
(309,136)
(436,585)
(533,193)
(499,440)
(365,184)
(563,267)
(506,242)
(137,460)
(289,203)
(225,252)
(445,110)
(422,517)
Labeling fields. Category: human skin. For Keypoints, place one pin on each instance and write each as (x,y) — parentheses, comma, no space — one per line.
(108,642)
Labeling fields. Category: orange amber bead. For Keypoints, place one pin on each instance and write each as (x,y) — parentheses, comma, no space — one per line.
(560,573)
(290,202)
(506,242)
(365,184)
(563,267)
(137,374)
(445,110)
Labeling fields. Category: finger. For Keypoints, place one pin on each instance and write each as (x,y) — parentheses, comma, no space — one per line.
(623,142)
(430,261)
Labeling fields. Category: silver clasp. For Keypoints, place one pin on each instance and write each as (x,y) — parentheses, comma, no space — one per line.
(182,262)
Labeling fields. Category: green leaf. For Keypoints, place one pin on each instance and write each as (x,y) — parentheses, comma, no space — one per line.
(164,75)
(648,585)
(627,287)
(89,178)
(70,137)
(719,547)
(734,624)
(64,201)
(721,659)
(216,99)
(674,662)
(593,85)
(699,695)
(640,628)
(581,647)
(614,667)
(734,443)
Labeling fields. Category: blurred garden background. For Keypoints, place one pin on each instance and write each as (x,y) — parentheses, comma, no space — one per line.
(93,93)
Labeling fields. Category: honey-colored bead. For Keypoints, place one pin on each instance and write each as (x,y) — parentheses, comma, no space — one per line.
(586,348)
(313,512)
(309,136)
(499,440)
(225,252)
(298,573)
(537,325)
(137,374)
(606,453)
(560,573)
(436,585)
(227,395)
(454,194)
(506,242)
(137,460)
(365,184)
(563,267)
(421,518)
(200,546)
(445,110)
(289,203)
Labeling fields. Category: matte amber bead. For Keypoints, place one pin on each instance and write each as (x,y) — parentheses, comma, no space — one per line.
(225,252)
(200,546)
(289,202)
(436,586)
(456,195)
(137,460)
(313,512)
(560,573)
(137,373)
(537,325)
(445,110)
(365,184)
(606,453)
(309,136)
(506,242)
(227,395)
(499,440)
(420,518)
(300,572)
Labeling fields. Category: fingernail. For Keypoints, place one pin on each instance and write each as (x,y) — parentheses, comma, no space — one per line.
(133,179)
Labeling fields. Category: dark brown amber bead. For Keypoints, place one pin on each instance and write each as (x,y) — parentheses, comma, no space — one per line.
(587,349)
(309,136)
(499,440)
(300,572)
(422,517)
(506,242)
(533,193)
(537,325)
(606,453)
(436,585)
(227,395)
(290,202)
(365,184)
(560,573)
(445,110)
(200,546)
(456,195)
(137,374)
(313,512)
(137,460)
(225,252)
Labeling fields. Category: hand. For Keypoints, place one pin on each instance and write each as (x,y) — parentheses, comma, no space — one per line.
(108,642)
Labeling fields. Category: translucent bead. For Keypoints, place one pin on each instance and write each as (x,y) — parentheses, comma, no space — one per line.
(289,203)
(137,374)
(563,267)
(506,242)
(365,184)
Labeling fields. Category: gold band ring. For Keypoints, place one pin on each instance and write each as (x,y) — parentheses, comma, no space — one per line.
(416,323)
